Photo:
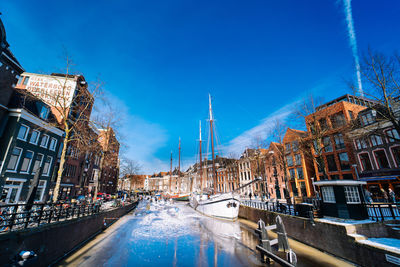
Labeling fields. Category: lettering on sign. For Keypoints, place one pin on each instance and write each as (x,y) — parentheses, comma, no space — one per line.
(54,91)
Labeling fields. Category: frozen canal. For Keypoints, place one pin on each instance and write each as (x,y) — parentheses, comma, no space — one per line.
(176,235)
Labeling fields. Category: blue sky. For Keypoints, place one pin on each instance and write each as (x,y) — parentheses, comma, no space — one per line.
(160,59)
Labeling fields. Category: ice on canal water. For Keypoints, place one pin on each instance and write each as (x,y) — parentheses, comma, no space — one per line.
(165,234)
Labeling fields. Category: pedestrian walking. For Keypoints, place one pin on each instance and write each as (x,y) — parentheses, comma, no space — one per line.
(392,195)
(250,195)
(385,195)
(368,197)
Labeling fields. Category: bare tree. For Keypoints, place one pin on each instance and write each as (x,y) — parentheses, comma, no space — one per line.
(381,78)
(314,143)
(71,100)
(277,133)
(129,167)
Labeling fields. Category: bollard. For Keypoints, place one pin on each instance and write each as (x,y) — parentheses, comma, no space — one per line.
(282,236)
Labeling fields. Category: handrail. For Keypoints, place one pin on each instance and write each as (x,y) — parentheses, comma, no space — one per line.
(18,216)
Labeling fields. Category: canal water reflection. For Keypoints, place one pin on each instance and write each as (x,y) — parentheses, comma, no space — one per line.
(163,234)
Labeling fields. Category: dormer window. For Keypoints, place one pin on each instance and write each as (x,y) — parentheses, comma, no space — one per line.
(368,118)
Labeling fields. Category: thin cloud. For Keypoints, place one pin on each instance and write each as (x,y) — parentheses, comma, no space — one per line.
(238,144)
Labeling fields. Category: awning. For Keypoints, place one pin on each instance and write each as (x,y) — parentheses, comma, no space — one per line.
(378,178)
(66,185)
(339,182)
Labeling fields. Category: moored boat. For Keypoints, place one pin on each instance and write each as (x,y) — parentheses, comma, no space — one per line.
(217,205)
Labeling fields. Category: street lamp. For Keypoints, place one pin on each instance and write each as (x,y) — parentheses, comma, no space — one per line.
(258,153)
(277,191)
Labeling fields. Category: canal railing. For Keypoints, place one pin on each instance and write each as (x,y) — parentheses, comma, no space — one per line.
(272,206)
(382,211)
(19,216)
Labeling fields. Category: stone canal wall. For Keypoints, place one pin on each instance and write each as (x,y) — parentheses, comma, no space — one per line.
(336,239)
(53,241)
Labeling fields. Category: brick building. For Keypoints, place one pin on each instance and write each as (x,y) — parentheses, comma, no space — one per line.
(108,181)
(336,152)
(299,163)
(275,173)
(377,149)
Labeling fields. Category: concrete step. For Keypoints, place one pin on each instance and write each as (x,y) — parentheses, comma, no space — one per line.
(357,236)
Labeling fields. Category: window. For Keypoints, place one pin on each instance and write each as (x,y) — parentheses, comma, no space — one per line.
(14,159)
(352,195)
(38,163)
(26,80)
(323,124)
(292,173)
(338,120)
(43,111)
(297,159)
(45,140)
(40,190)
(351,115)
(381,159)
(361,143)
(287,147)
(331,163)
(300,174)
(344,161)
(295,146)
(20,79)
(47,165)
(396,154)
(365,162)
(339,142)
(376,140)
(311,126)
(34,137)
(289,160)
(328,194)
(393,135)
(23,132)
(367,119)
(348,176)
(26,163)
(335,177)
(327,144)
(53,143)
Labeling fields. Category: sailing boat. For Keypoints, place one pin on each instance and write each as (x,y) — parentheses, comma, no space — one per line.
(218,205)
(180,196)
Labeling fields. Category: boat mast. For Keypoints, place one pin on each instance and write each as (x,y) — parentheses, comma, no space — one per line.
(170,176)
(179,168)
(201,165)
(212,144)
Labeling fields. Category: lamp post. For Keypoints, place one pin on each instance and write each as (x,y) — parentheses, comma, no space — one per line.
(258,153)
(277,191)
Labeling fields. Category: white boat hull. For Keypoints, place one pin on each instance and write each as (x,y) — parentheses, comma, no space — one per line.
(223,206)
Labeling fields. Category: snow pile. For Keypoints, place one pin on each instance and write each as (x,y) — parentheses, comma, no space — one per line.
(343,222)
(390,244)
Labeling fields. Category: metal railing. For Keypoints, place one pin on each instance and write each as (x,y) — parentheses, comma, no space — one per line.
(17,216)
(272,206)
(382,211)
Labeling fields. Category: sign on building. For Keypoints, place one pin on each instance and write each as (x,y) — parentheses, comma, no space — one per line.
(53,90)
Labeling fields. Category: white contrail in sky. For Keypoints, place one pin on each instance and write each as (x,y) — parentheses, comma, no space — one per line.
(353,41)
